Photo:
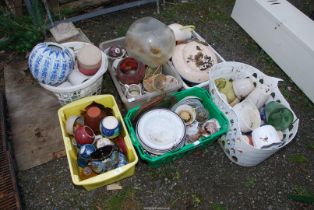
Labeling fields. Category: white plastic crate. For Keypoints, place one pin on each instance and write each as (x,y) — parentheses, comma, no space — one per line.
(140,100)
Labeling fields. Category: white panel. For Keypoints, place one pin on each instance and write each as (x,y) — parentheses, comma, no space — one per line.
(285,33)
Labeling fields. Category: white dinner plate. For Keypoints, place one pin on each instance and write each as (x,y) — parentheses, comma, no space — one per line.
(160,129)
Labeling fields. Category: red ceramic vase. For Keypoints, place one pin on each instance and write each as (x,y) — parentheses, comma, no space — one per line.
(130,71)
(84,135)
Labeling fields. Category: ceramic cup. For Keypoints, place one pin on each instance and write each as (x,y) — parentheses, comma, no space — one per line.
(243,87)
(265,137)
(110,127)
(72,122)
(116,52)
(259,96)
(248,115)
(84,154)
(84,135)
(132,91)
(210,127)
(77,78)
(192,132)
(122,160)
(100,141)
(92,118)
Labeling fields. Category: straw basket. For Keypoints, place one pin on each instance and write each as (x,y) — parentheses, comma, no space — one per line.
(91,87)
(236,148)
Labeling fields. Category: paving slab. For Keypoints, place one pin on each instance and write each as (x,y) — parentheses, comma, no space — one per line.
(36,135)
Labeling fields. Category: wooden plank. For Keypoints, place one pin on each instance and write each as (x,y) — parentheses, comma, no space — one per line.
(36,134)
(114,186)
(53,6)
(65,1)
(18,6)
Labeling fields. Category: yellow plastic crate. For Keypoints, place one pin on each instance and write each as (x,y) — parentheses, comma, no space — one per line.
(111,176)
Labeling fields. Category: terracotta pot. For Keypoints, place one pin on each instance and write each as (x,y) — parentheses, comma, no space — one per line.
(92,118)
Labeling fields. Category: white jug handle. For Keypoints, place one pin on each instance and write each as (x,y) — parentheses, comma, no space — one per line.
(189,27)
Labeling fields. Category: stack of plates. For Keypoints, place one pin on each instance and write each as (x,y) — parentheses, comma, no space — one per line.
(160,131)
(192,101)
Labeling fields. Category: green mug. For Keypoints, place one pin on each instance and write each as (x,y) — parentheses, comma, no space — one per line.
(278,115)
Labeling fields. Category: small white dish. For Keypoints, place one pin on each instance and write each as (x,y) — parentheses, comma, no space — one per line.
(186,113)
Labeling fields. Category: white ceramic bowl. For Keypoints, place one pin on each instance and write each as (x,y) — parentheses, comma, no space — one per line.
(70,124)
(249,116)
(242,87)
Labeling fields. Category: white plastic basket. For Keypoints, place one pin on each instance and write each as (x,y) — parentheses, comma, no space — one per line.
(236,148)
(91,87)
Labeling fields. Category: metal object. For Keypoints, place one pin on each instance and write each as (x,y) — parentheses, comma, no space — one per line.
(98,12)
(9,198)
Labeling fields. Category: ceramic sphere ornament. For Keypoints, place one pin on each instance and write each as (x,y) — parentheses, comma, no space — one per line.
(50,63)
(150,41)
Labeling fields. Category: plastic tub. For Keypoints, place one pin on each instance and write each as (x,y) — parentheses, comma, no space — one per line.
(157,161)
(91,87)
(187,85)
(233,143)
(111,176)
(133,102)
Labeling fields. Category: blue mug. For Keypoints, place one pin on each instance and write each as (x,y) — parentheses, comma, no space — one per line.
(110,127)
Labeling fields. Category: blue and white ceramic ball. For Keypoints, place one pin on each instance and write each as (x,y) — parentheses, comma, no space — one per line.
(51,63)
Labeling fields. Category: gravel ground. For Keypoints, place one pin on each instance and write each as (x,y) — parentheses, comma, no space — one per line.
(205,179)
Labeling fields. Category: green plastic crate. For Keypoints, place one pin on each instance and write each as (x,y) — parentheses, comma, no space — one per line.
(157,161)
